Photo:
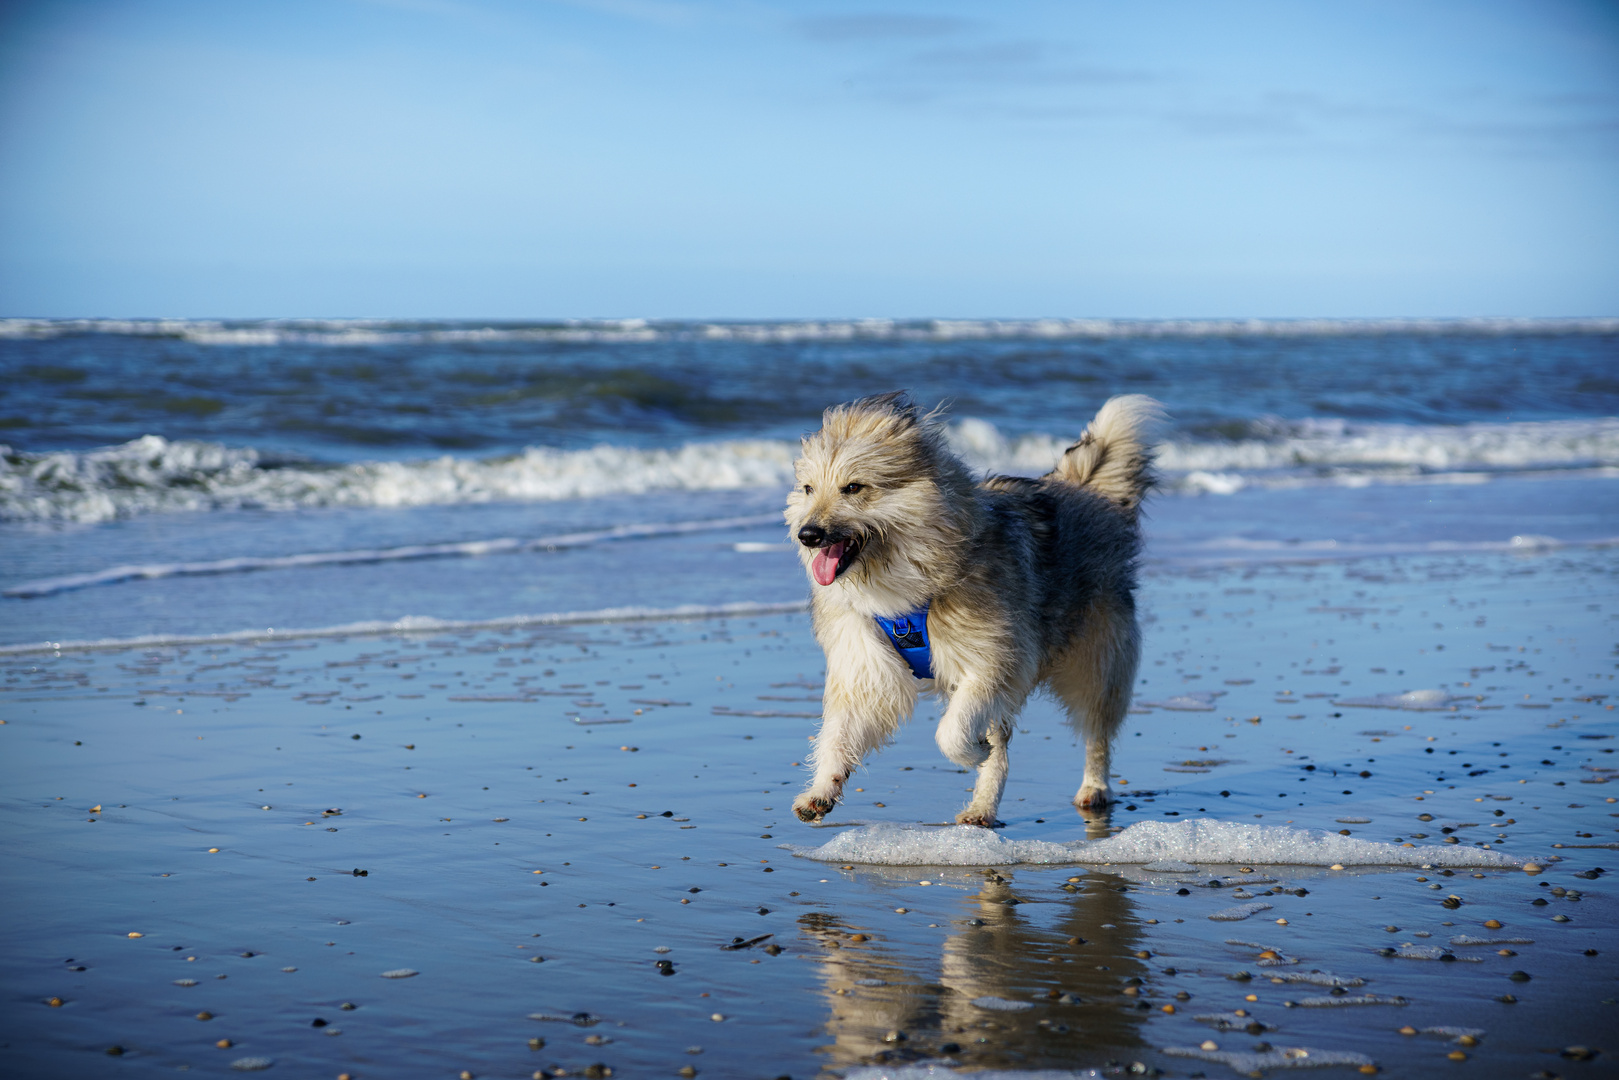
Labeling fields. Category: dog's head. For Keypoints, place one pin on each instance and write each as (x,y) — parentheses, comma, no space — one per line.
(878,494)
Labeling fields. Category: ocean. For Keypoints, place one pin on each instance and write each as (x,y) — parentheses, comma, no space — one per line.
(194,477)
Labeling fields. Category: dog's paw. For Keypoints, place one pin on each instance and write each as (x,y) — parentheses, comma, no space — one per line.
(970,816)
(811,807)
(1093,797)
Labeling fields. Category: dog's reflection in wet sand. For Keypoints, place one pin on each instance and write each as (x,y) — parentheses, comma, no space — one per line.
(1047,977)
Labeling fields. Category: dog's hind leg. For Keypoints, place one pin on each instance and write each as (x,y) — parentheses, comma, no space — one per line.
(991,782)
(1094,679)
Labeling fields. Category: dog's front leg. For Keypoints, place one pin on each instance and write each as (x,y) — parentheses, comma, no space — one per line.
(834,757)
(868,694)
(991,782)
(974,733)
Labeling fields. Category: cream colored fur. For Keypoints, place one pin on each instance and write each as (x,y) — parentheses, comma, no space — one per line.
(1031,584)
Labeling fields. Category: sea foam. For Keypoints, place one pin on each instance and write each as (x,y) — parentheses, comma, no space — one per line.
(1199,841)
(154,474)
(363,332)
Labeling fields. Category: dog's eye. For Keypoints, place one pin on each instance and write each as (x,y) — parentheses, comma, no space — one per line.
(853,489)
(808,490)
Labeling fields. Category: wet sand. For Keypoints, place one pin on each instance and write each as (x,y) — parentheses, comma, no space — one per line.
(571,838)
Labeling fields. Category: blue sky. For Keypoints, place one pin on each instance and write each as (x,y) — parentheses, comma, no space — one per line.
(497,158)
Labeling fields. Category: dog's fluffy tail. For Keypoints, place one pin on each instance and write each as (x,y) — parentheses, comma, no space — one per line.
(1114,456)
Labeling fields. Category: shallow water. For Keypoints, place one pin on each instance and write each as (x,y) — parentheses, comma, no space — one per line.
(473,741)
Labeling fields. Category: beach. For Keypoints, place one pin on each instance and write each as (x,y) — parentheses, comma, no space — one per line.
(223,856)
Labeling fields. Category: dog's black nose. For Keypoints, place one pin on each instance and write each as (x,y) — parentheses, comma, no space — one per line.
(812,536)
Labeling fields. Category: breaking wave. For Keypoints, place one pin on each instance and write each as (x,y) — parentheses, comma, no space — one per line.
(614,331)
(155,475)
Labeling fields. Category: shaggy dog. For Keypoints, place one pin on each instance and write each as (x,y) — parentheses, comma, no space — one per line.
(991,589)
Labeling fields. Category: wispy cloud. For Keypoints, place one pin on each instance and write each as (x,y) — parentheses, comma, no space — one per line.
(880,27)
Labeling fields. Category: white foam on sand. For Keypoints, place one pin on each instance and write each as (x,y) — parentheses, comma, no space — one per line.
(1288,1057)
(1001,1004)
(946,1072)
(411,552)
(1202,840)
(418,624)
(1412,701)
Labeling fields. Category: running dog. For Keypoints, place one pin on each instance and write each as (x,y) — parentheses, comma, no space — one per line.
(977,592)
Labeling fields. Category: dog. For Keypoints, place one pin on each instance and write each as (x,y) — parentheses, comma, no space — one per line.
(926,581)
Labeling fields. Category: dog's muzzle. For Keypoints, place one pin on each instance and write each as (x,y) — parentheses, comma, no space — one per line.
(833,554)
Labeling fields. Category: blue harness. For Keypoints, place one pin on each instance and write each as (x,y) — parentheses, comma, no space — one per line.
(909,635)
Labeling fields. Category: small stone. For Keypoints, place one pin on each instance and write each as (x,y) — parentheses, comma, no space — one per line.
(895,1036)
(718,1018)
(1492,924)
(115,1051)
(205,1015)
(1408,1030)
(136,933)
(1519,976)
(1456,1055)
(687,1071)
(1532,868)
(536,1043)
(1560,918)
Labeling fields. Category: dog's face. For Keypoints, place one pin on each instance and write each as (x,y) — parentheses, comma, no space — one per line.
(867,485)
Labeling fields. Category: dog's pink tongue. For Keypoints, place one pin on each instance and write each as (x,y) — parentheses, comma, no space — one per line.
(825,564)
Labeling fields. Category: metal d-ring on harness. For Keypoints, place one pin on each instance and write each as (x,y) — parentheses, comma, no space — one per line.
(909,635)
